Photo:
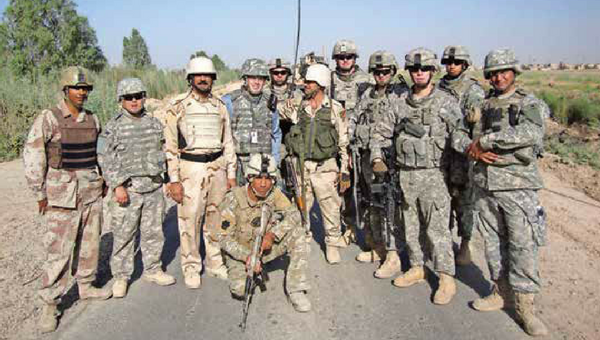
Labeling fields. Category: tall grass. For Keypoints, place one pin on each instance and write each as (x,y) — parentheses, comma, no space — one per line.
(21,99)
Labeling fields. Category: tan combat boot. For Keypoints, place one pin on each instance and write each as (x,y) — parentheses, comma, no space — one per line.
(48,319)
(192,278)
(300,301)
(412,276)
(89,292)
(119,288)
(445,291)
(220,272)
(500,297)
(463,258)
(332,254)
(525,311)
(390,267)
(376,254)
(159,277)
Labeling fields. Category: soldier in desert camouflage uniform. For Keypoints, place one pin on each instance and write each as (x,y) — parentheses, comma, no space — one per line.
(130,152)
(375,102)
(241,211)
(470,96)
(254,121)
(201,166)
(421,128)
(506,184)
(60,167)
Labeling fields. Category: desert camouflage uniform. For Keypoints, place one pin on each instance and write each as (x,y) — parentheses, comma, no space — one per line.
(511,218)
(321,177)
(470,95)
(370,111)
(130,154)
(241,222)
(204,182)
(423,173)
(74,213)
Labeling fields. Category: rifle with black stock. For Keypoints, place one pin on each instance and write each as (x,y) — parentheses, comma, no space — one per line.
(252,278)
(292,183)
(356,173)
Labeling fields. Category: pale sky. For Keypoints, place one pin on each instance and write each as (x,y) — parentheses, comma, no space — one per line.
(539,30)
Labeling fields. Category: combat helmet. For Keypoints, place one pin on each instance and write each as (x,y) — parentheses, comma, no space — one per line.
(260,164)
(280,63)
(344,47)
(254,67)
(456,52)
(319,73)
(421,57)
(130,86)
(501,59)
(381,59)
(75,76)
(200,65)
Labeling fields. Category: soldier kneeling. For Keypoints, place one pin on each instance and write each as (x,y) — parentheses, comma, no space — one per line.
(241,213)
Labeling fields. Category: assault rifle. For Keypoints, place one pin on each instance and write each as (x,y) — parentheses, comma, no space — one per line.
(385,194)
(292,183)
(355,173)
(252,279)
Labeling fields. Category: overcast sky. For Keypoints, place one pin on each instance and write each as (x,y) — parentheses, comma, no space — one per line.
(539,30)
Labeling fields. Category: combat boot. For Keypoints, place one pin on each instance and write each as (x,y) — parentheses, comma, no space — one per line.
(375,254)
(525,311)
(412,276)
(89,292)
(332,254)
(119,288)
(463,258)
(500,297)
(219,273)
(159,277)
(390,267)
(300,301)
(48,318)
(192,278)
(445,291)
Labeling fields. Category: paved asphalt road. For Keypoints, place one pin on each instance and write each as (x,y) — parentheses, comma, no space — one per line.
(348,303)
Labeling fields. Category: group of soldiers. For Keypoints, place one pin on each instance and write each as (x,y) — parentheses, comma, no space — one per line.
(404,163)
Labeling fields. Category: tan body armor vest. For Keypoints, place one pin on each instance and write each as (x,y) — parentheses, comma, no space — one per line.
(77,146)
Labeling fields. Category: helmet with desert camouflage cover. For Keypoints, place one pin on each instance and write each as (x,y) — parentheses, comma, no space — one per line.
(75,76)
(501,59)
(260,164)
(344,47)
(421,57)
(382,59)
(254,67)
(200,65)
(456,52)
(130,86)
(280,63)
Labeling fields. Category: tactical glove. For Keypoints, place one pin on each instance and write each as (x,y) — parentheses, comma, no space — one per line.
(379,167)
(344,182)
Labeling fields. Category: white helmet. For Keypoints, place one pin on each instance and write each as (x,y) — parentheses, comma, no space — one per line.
(200,65)
(319,73)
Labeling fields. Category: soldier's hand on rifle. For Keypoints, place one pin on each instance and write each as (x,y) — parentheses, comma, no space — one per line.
(267,242)
(257,267)
(344,182)
(121,195)
(176,191)
(379,167)
(42,206)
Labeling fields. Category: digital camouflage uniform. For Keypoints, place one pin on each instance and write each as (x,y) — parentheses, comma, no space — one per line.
(201,155)
(423,173)
(470,95)
(241,223)
(319,149)
(131,155)
(255,126)
(74,194)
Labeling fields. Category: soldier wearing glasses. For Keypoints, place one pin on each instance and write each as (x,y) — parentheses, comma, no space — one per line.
(133,162)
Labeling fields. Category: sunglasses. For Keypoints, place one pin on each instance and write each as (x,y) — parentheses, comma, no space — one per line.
(382,72)
(80,87)
(136,96)
(345,57)
(453,62)
(415,69)
(279,73)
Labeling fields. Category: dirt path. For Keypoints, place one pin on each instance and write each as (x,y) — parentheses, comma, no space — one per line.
(570,264)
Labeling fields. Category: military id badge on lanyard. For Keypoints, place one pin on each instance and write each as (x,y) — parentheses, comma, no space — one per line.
(254,137)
